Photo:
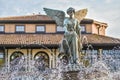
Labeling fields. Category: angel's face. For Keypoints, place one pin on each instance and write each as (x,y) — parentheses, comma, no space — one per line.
(71,14)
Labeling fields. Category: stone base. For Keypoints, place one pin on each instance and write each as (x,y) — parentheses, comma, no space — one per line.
(70,75)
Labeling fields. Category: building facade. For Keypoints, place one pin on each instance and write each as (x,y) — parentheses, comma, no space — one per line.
(34,36)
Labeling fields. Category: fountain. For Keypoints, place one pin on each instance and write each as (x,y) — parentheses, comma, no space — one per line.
(73,62)
(107,68)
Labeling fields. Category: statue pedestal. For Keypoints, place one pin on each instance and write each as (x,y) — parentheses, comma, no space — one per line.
(70,75)
(71,72)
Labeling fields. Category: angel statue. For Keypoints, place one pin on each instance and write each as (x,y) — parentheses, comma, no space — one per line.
(71,42)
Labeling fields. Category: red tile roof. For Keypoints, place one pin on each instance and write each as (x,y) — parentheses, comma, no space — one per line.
(50,39)
(99,39)
(29,39)
(40,17)
(28,17)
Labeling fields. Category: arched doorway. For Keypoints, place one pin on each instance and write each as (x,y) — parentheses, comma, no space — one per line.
(63,59)
(41,60)
(15,55)
(17,61)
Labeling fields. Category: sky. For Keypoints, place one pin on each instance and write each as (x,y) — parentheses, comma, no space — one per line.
(107,11)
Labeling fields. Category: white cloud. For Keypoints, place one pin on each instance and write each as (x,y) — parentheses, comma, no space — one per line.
(109,1)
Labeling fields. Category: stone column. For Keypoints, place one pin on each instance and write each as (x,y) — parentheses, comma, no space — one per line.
(56,61)
(100,54)
(6,58)
(53,58)
(29,59)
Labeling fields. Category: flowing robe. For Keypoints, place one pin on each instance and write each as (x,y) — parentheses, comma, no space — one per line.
(72,37)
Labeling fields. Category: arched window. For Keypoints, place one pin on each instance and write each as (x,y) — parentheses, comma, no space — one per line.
(41,60)
(15,55)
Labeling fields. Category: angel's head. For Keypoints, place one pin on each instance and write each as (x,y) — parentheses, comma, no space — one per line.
(70,11)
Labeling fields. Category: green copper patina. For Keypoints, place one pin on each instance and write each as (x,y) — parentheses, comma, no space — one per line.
(71,43)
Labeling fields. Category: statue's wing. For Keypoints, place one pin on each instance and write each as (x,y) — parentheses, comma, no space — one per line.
(56,15)
(80,14)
